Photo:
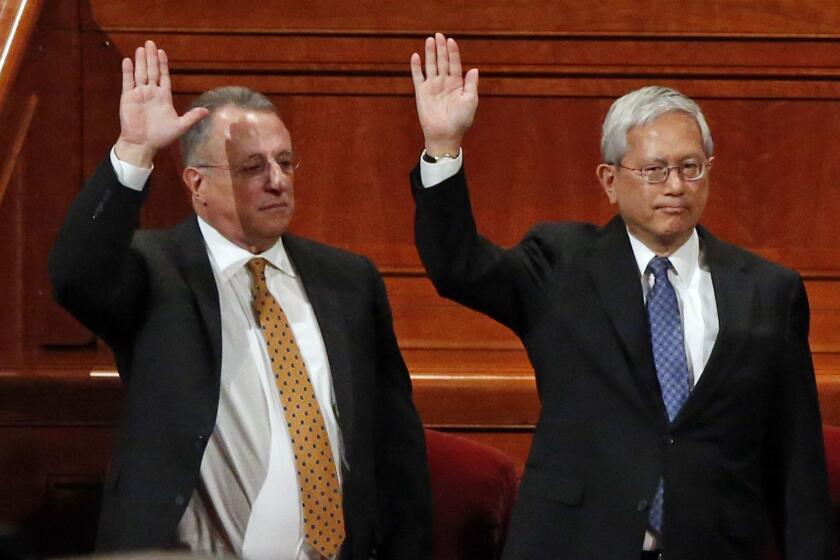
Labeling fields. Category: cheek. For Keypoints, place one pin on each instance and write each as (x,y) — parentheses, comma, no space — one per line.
(636,204)
(244,198)
(702,197)
(218,203)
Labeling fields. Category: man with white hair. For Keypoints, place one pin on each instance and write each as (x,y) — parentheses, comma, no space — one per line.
(679,407)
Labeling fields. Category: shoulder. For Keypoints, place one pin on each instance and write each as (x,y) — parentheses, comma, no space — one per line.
(150,240)
(179,245)
(563,241)
(720,250)
(565,233)
(322,251)
(760,269)
(326,259)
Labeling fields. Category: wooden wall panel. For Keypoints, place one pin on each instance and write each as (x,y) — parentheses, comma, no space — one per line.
(41,121)
(11,276)
(52,478)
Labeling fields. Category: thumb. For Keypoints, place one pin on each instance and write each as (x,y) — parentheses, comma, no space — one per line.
(188,119)
(471,82)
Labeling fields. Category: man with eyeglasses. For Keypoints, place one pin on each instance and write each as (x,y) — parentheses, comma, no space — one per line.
(268,411)
(679,413)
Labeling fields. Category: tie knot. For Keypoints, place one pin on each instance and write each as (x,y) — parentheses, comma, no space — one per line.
(659,267)
(257,267)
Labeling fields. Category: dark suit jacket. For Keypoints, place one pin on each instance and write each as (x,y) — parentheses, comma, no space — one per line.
(743,456)
(152,297)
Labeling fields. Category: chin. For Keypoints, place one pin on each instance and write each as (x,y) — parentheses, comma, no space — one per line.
(273,234)
(677,227)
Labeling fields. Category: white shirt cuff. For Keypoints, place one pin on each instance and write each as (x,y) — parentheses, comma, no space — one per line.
(129,175)
(432,174)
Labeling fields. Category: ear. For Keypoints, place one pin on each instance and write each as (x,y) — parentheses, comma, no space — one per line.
(606,176)
(194,181)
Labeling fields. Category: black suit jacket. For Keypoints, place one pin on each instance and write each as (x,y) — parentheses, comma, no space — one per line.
(152,297)
(744,455)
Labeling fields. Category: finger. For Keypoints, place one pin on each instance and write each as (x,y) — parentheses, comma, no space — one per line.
(471,82)
(188,119)
(442,55)
(416,71)
(163,61)
(454,58)
(127,75)
(140,77)
(152,68)
(431,58)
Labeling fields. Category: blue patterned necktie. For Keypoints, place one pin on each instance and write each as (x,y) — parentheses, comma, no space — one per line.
(668,343)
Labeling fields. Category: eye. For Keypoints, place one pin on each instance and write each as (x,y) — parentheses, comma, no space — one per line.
(691,169)
(287,162)
(252,168)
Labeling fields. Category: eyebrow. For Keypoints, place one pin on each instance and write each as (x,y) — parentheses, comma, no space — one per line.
(663,162)
(262,156)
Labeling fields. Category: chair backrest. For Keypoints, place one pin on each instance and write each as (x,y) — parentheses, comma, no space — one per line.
(831,438)
(473,490)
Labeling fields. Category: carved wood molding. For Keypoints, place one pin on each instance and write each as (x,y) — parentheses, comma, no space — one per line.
(17,22)
(713,18)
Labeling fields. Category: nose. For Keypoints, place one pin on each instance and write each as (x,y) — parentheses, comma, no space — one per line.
(674,183)
(277,179)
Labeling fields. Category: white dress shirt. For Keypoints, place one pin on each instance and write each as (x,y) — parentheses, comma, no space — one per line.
(689,275)
(692,283)
(246,503)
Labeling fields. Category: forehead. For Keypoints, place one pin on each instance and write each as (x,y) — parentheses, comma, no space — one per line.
(671,135)
(244,131)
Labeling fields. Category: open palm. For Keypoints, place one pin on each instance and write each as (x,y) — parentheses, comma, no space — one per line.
(148,120)
(446,99)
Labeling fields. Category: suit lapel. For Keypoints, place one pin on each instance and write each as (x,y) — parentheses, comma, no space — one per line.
(734,297)
(327,305)
(195,266)
(616,278)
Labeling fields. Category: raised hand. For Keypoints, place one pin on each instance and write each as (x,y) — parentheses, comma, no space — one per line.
(446,99)
(148,120)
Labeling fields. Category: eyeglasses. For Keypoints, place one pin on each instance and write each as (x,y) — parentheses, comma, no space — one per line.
(687,171)
(260,167)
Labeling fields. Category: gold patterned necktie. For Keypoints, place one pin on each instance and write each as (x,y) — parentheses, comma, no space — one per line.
(320,491)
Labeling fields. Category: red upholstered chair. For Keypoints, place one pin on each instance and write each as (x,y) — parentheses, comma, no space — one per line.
(831,437)
(473,489)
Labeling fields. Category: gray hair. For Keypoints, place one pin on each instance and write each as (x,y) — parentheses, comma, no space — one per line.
(640,108)
(215,99)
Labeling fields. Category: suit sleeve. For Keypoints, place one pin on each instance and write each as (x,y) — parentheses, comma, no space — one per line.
(463,265)
(401,467)
(805,518)
(95,274)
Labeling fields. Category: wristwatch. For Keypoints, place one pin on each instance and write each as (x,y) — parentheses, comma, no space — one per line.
(428,158)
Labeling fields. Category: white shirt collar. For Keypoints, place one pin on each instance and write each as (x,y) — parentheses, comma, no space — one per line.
(231,258)
(685,260)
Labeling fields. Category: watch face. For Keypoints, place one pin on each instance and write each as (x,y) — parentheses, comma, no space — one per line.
(429,159)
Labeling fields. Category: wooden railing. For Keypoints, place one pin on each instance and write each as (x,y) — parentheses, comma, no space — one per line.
(17,22)
(18,19)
